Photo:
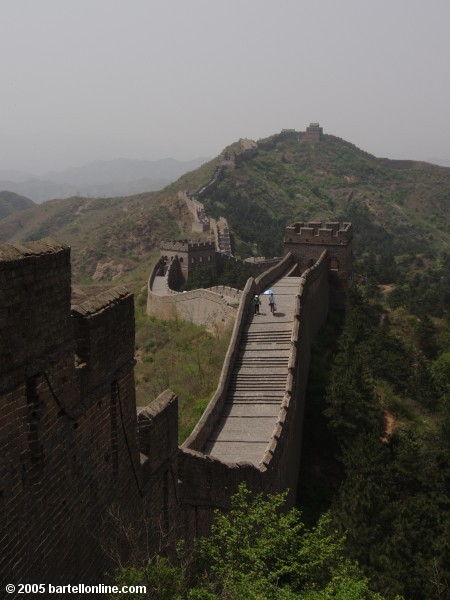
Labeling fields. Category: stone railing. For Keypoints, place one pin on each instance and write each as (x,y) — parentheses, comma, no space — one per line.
(204,427)
(207,307)
(307,278)
(197,440)
(279,466)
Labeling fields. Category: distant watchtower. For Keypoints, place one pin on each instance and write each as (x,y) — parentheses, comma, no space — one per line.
(191,255)
(307,241)
(313,133)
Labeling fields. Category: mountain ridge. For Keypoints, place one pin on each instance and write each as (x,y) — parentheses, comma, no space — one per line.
(402,206)
(102,178)
(11,203)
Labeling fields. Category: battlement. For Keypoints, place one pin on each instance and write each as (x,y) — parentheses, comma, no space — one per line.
(315,232)
(34,306)
(68,412)
(307,241)
(186,246)
(104,333)
(314,132)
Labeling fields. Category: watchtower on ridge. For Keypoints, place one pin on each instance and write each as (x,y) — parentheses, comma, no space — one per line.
(191,255)
(313,133)
(307,241)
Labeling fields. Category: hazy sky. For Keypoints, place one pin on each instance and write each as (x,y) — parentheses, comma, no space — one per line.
(98,79)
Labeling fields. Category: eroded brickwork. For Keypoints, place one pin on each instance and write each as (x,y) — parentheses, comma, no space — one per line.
(75,467)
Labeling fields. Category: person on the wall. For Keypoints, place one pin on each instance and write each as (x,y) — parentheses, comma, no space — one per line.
(256,303)
(272,304)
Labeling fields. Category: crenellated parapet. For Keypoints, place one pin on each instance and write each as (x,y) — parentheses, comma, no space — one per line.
(308,240)
(71,446)
(190,254)
(319,233)
(186,246)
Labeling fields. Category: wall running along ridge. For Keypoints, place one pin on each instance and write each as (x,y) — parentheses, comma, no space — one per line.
(280,465)
(208,307)
(78,463)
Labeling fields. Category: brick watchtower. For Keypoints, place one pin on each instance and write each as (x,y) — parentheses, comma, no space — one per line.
(307,241)
(191,255)
(313,133)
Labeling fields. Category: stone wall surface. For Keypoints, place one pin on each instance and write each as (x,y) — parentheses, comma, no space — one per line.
(281,463)
(79,465)
(208,307)
(72,452)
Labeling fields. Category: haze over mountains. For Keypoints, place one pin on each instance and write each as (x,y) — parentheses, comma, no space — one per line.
(102,178)
(400,205)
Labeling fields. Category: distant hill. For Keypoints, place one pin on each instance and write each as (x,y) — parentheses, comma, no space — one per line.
(401,204)
(443,162)
(397,207)
(119,177)
(11,203)
(108,236)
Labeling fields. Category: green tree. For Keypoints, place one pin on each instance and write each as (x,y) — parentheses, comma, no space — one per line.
(257,551)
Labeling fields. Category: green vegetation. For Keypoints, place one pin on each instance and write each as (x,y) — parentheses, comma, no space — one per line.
(401,204)
(181,356)
(377,447)
(109,237)
(257,551)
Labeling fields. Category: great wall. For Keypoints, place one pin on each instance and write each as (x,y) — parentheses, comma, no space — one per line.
(80,464)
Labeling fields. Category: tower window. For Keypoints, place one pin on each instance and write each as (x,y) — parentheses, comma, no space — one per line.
(334,264)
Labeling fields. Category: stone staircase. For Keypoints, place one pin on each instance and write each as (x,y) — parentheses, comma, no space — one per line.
(258,381)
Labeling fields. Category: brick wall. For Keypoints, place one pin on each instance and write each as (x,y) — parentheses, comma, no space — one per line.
(75,467)
(306,241)
(78,466)
(208,483)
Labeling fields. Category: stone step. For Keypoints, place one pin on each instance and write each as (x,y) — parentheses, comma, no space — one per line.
(259,371)
(267,377)
(261,364)
(259,403)
(263,352)
(243,429)
(264,333)
(255,389)
(253,396)
(252,387)
(251,410)
(277,344)
(268,326)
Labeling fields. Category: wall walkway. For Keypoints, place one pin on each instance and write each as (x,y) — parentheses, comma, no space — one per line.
(251,430)
(258,380)
(208,307)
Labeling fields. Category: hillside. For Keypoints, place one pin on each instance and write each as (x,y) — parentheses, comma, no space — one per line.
(109,237)
(399,208)
(11,203)
(402,203)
